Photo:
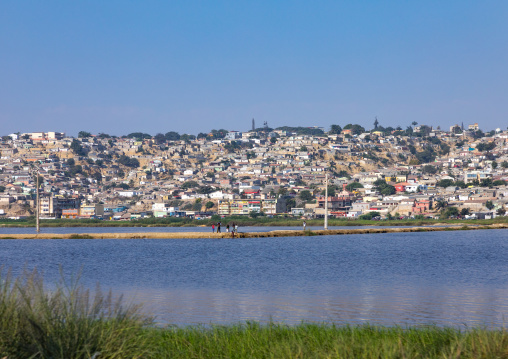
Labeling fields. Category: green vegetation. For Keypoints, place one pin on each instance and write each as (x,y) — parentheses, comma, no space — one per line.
(80,236)
(128,161)
(311,131)
(77,148)
(370,215)
(240,220)
(354,185)
(67,322)
(384,188)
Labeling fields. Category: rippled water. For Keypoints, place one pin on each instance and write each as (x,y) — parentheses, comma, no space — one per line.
(445,278)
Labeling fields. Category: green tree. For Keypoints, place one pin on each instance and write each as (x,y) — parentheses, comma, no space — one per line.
(353,185)
(460,184)
(445,183)
(189,184)
(441,204)
(335,130)
(388,190)
(305,195)
(370,215)
(465,212)
(209,204)
(97,176)
(331,191)
(450,212)
(355,129)
(429,169)
(77,148)
(290,203)
(343,173)
(84,134)
(172,136)
(159,138)
(489,205)
(128,161)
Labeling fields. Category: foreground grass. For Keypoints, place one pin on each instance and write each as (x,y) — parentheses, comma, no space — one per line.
(68,322)
(252,340)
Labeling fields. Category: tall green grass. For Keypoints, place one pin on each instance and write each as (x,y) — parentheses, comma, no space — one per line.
(252,340)
(67,322)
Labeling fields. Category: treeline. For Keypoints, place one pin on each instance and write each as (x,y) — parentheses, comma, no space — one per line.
(488,182)
(310,131)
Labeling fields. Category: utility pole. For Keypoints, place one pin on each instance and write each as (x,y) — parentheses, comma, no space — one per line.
(38,205)
(326,201)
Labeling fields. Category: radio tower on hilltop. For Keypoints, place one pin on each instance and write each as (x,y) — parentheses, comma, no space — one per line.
(253,125)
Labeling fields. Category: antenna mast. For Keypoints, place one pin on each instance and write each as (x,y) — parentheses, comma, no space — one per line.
(326,201)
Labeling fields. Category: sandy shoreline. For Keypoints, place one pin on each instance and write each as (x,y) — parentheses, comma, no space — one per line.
(275,233)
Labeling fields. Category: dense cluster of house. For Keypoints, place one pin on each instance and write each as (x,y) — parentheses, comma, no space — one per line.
(259,172)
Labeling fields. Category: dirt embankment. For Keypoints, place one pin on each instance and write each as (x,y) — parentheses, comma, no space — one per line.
(276,233)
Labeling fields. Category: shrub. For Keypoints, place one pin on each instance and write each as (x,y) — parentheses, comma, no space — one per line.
(66,322)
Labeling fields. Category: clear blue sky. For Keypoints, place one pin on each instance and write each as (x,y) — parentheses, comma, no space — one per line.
(191,66)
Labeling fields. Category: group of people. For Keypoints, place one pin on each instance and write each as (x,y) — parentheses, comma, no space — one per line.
(234,228)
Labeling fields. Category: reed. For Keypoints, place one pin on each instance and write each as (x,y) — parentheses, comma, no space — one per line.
(67,322)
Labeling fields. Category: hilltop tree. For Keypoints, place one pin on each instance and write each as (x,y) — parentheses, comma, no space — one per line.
(355,129)
(172,136)
(335,130)
(159,138)
(84,134)
(139,136)
(376,123)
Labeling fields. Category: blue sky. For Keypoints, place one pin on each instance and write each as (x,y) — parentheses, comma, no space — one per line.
(191,66)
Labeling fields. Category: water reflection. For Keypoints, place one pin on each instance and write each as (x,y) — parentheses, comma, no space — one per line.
(405,306)
(402,278)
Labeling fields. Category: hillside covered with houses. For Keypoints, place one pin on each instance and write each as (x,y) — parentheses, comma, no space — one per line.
(378,173)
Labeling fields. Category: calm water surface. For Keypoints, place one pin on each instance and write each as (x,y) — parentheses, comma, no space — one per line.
(446,278)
